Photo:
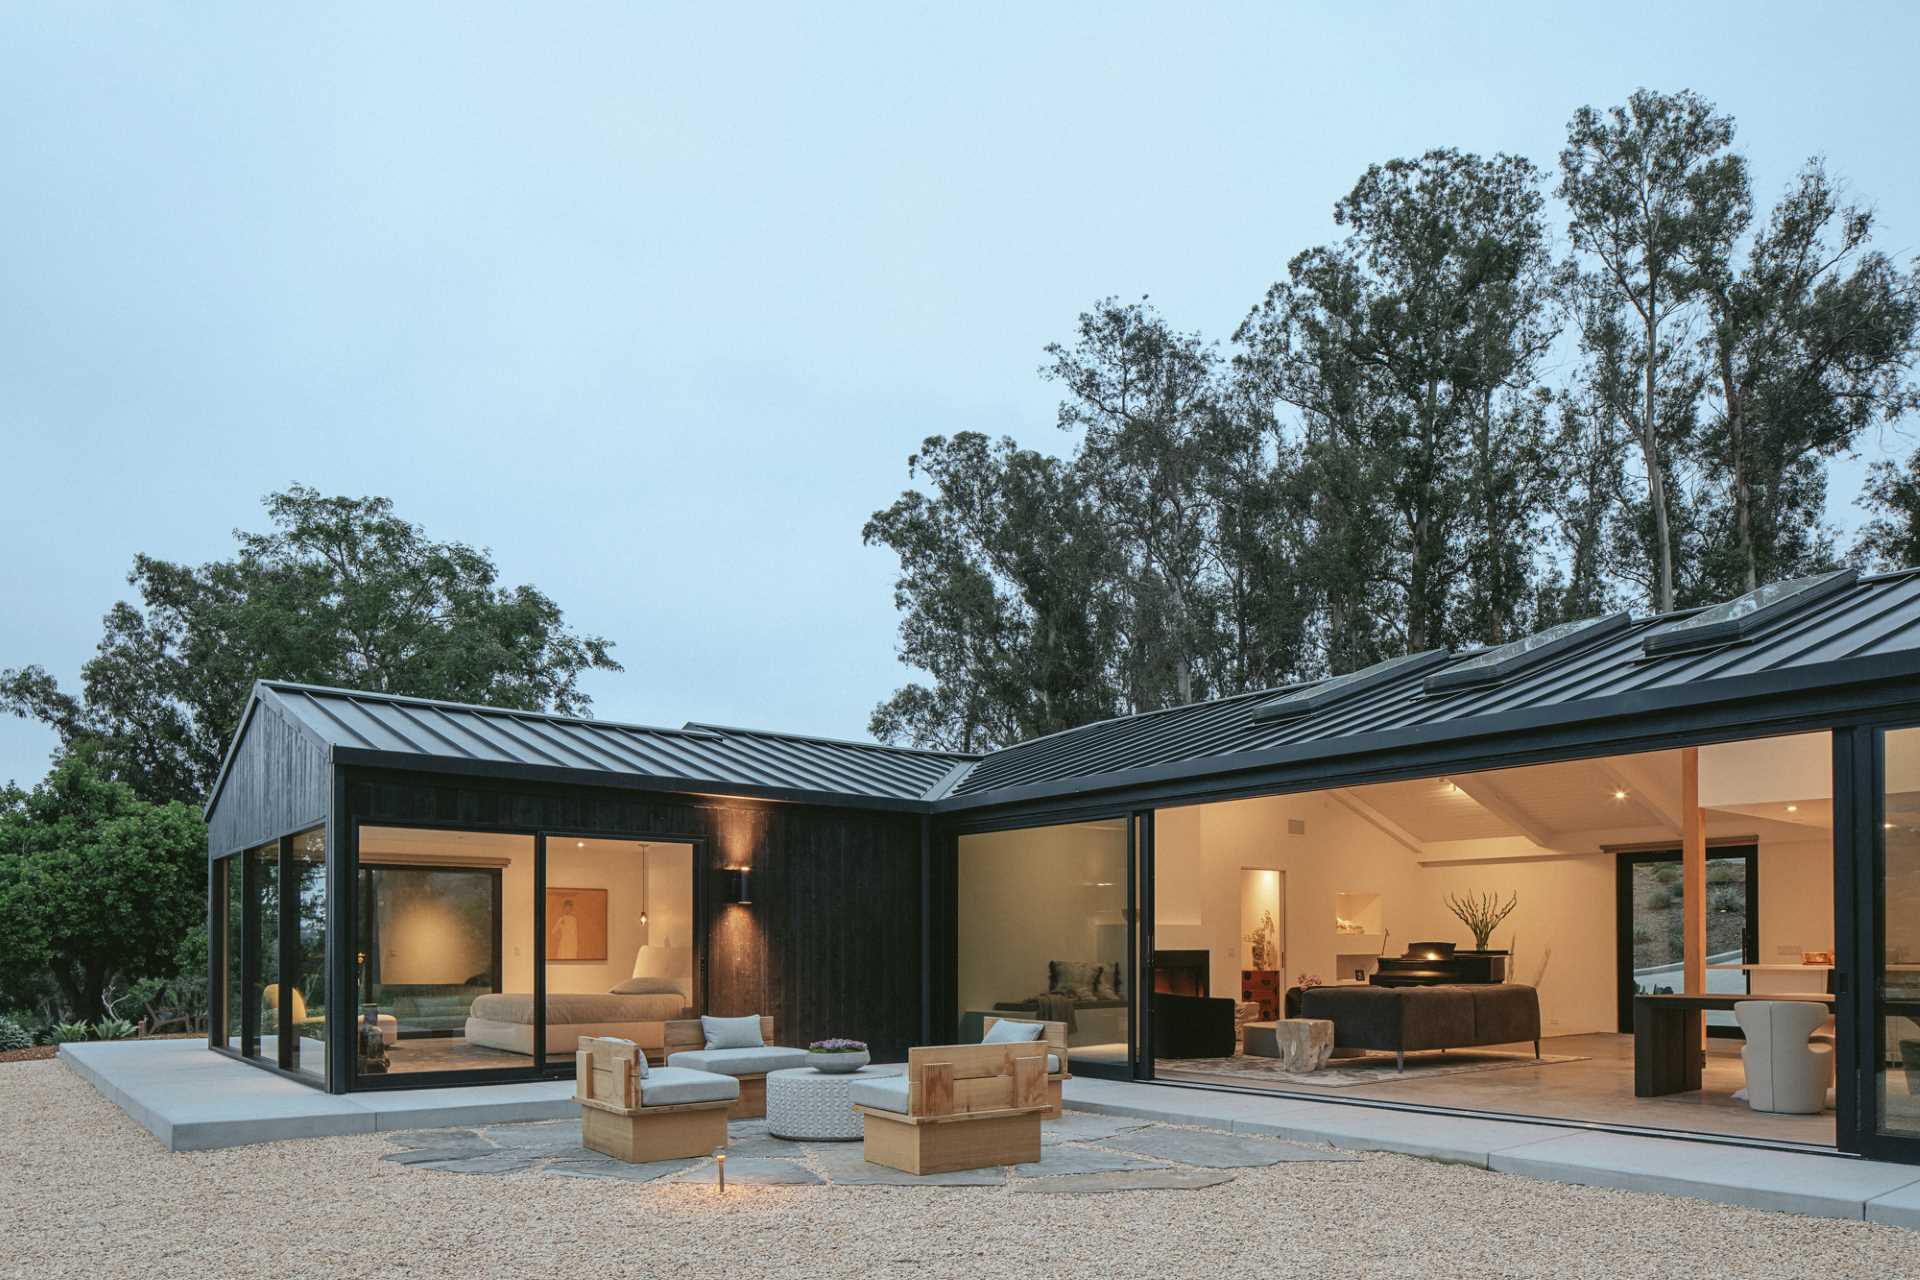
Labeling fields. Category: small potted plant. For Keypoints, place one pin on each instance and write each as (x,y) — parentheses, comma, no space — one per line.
(837,1057)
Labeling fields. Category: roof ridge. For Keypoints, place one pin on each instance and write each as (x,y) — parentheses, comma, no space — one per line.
(711,727)
(382,695)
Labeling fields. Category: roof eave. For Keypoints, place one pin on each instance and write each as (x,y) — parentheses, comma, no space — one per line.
(1867,673)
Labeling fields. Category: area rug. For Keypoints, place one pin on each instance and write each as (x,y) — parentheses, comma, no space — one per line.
(1345,1073)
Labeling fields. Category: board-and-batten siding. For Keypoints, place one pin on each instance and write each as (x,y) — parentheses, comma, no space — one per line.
(277,785)
(830,945)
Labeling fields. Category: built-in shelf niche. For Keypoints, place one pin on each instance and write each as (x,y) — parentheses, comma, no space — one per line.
(1359,924)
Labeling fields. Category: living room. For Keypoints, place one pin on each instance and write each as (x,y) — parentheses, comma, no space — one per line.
(1575,875)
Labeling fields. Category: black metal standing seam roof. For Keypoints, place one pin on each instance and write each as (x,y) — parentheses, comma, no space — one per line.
(1834,641)
(1875,617)
(696,754)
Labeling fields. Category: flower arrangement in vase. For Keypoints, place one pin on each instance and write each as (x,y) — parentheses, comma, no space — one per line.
(837,1056)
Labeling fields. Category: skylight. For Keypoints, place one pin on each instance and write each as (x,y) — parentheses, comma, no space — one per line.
(1491,665)
(1741,617)
(1300,702)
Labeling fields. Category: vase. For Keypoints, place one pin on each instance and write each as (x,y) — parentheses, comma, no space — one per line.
(839,1064)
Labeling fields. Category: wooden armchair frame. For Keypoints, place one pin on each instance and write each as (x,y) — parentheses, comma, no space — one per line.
(614,1120)
(1055,1038)
(687,1034)
(969,1106)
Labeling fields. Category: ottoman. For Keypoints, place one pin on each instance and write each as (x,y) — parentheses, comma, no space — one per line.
(804,1105)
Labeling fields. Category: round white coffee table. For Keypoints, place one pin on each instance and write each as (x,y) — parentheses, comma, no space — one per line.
(816,1106)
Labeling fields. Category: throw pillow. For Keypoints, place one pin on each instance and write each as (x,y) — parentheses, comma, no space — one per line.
(1109,981)
(732,1033)
(1008,1032)
(1072,978)
(647,987)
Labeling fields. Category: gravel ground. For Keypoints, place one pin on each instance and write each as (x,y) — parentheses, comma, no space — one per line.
(85,1191)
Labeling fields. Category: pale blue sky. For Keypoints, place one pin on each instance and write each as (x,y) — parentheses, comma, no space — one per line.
(655,302)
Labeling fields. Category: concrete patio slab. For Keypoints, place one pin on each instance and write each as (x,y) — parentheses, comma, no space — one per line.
(193,1099)
(1825,1185)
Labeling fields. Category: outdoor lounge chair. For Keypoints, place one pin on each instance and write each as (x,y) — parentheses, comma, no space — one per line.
(638,1113)
(739,1047)
(960,1106)
(1054,1036)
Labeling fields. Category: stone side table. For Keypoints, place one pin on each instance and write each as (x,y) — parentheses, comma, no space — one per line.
(805,1105)
(1301,1044)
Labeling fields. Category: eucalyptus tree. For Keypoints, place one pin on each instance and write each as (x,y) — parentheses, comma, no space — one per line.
(1005,595)
(1409,351)
(1156,427)
(1638,181)
(1890,539)
(1809,343)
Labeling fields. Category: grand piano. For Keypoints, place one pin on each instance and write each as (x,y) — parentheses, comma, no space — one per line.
(1432,964)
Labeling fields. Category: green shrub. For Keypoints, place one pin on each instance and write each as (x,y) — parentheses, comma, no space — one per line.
(114,1029)
(14,1036)
(71,1032)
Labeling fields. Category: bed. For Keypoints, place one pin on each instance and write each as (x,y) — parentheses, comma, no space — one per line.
(505,1021)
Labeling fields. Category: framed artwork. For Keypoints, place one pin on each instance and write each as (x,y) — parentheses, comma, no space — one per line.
(576,924)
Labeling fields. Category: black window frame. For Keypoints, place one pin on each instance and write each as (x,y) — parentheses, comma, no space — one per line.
(1623,865)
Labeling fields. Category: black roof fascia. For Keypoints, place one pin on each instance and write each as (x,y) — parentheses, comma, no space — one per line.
(499,770)
(1756,705)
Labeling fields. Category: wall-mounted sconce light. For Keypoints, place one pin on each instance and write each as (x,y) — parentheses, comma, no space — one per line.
(739,884)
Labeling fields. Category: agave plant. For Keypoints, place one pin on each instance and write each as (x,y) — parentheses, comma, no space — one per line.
(70,1032)
(114,1029)
(1481,914)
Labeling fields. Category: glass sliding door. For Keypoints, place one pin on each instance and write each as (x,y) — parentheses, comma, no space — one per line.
(263,933)
(445,951)
(1043,921)
(619,941)
(1893,1041)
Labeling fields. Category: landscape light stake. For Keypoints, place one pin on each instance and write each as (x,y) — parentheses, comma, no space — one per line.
(720,1163)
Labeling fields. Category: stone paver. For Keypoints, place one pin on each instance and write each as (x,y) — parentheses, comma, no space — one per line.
(1086,1126)
(1144,1180)
(619,1170)
(1212,1150)
(1067,1158)
(752,1172)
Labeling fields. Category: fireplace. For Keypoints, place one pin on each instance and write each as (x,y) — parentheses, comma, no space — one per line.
(1181,973)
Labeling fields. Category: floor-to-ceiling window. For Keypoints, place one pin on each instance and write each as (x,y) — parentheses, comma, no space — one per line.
(311,1011)
(1042,933)
(263,932)
(229,887)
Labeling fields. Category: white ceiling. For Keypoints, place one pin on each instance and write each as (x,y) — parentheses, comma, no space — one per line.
(1576,806)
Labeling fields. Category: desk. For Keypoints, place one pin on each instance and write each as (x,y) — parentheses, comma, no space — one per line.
(1666,1038)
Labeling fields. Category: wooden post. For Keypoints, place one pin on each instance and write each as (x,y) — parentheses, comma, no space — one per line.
(1693,879)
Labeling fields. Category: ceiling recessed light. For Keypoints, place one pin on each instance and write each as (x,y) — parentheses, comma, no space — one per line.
(1793,808)
(579,844)
(1619,793)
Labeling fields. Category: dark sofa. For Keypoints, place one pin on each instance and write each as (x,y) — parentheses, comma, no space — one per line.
(1403,1020)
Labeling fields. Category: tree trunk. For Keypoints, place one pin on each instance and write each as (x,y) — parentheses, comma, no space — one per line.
(1656,479)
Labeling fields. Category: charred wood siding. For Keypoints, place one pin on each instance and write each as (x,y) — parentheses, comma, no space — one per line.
(831,942)
(278,784)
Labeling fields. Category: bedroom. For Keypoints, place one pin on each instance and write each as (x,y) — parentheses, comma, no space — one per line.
(447,945)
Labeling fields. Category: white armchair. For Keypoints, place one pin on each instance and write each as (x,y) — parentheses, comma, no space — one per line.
(1786,1071)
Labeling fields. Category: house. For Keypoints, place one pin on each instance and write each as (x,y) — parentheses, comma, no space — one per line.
(1678,814)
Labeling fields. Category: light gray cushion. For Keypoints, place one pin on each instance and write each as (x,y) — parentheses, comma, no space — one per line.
(1007,1031)
(739,1062)
(674,1086)
(888,1093)
(1053,1064)
(732,1033)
